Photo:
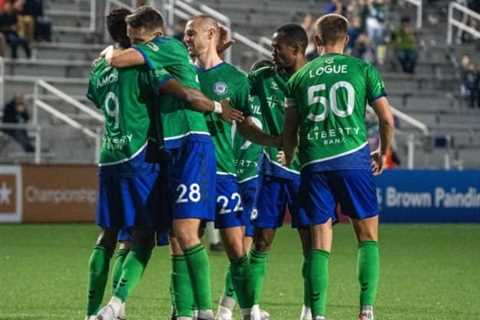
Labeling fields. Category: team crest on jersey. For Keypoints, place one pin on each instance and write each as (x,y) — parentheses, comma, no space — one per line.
(220,88)
(328,60)
(274,86)
(152,46)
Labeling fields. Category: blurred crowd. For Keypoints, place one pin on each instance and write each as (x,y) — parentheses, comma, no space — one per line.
(22,22)
(374,32)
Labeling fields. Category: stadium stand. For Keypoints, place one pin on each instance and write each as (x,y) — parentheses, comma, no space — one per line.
(431,95)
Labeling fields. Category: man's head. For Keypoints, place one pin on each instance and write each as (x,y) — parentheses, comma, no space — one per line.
(331,30)
(289,43)
(144,23)
(201,33)
(117,27)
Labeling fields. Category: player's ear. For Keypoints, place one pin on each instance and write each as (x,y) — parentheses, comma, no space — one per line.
(317,40)
(347,40)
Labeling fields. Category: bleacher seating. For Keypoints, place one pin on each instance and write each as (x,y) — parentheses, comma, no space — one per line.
(431,95)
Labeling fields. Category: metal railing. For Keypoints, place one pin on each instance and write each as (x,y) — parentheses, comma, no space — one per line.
(419,5)
(40,104)
(184,10)
(92,21)
(462,23)
(411,138)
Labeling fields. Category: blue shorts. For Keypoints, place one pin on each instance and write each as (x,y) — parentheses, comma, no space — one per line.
(249,191)
(127,194)
(161,237)
(278,194)
(229,211)
(355,190)
(191,173)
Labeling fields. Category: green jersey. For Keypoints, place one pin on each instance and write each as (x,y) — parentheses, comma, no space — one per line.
(248,154)
(174,118)
(271,86)
(118,93)
(330,94)
(218,83)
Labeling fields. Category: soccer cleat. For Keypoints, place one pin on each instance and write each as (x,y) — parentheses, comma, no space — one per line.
(111,311)
(123,313)
(264,315)
(90,317)
(306,313)
(366,315)
(320,318)
(205,315)
(224,313)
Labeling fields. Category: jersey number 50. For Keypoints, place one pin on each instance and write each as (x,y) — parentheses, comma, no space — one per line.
(322,104)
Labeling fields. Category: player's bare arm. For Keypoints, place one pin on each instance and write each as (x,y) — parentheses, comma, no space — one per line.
(290,134)
(124,58)
(200,102)
(387,129)
(251,132)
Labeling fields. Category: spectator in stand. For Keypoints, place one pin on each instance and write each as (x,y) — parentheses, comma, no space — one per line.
(404,40)
(8,27)
(43,26)
(364,49)
(308,25)
(354,31)
(15,112)
(334,6)
(26,22)
(470,82)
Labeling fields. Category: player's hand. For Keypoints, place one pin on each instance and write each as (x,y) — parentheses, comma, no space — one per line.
(378,163)
(230,114)
(281,158)
(224,41)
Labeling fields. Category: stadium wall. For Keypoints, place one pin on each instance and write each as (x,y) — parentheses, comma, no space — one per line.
(67,193)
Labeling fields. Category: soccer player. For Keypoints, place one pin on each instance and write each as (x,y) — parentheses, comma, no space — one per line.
(325,110)
(184,135)
(126,181)
(279,184)
(220,80)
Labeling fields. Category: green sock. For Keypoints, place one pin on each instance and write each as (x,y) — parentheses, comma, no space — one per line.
(239,269)
(306,280)
(318,281)
(199,270)
(98,265)
(258,265)
(181,287)
(368,271)
(229,290)
(119,258)
(133,268)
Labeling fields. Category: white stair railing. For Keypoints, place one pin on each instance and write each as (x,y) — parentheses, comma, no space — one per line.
(419,5)
(184,10)
(40,104)
(462,22)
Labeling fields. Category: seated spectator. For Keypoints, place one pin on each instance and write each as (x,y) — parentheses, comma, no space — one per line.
(470,82)
(26,22)
(404,41)
(8,27)
(363,48)
(43,26)
(354,30)
(16,112)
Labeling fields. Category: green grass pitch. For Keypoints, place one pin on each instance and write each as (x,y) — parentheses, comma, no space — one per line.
(428,272)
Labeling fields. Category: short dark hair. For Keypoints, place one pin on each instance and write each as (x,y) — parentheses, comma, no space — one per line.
(117,27)
(296,35)
(146,17)
(331,28)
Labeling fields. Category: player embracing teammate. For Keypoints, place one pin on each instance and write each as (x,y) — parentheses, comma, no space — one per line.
(191,139)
